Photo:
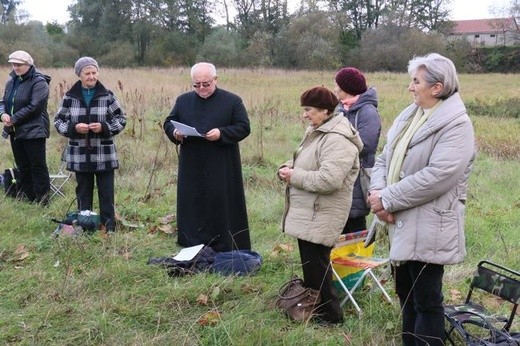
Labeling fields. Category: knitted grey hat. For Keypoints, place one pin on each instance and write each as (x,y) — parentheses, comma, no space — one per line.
(84,62)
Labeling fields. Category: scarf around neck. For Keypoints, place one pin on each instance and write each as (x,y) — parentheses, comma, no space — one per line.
(403,141)
(400,145)
(347,103)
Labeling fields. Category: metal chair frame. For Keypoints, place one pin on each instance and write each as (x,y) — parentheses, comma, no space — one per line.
(366,264)
(59,180)
(478,325)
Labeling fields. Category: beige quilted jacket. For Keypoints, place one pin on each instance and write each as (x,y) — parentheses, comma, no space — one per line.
(319,196)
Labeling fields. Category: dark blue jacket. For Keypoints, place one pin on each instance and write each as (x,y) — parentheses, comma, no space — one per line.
(368,123)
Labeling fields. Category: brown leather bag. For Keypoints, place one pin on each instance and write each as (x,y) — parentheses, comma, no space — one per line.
(297,301)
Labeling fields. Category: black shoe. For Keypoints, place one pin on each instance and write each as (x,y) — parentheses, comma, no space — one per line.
(325,323)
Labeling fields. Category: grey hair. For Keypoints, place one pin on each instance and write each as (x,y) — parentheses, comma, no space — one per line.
(439,69)
(208,65)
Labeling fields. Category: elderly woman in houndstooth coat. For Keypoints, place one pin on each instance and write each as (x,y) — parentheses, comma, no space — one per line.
(90,116)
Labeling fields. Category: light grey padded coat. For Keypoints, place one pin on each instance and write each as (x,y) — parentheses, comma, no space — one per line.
(319,196)
(428,202)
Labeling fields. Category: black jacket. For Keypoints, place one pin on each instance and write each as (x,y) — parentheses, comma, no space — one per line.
(28,105)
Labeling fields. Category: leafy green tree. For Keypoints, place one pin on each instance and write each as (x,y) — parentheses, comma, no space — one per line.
(31,37)
(423,14)
(222,48)
(8,10)
(172,48)
(430,15)
(259,24)
(357,16)
(246,22)
(106,19)
(514,11)
(321,34)
(260,51)
(120,55)
(260,15)
(311,42)
(54,29)
(85,23)
(460,52)
(389,48)
(197,20)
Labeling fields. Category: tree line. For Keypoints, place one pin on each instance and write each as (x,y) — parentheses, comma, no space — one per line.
(315,34)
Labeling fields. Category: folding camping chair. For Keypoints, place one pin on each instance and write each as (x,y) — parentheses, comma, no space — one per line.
(474,324)
(351,263)
(58,180)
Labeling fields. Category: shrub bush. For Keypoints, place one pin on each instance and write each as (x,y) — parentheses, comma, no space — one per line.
(507,108)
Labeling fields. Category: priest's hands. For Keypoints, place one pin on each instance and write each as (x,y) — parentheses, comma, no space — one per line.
(213,135)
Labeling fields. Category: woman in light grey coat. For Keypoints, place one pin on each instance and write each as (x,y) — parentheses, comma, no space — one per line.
(418,192)
(320,180)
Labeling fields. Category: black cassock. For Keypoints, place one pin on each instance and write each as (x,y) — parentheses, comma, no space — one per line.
(211,205)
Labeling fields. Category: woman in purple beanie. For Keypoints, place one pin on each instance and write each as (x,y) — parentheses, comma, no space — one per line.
(359,105)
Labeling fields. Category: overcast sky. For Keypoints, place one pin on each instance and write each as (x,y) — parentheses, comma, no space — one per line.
(50,10)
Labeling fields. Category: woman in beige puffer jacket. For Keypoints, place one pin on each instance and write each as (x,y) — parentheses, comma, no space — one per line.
(320,180)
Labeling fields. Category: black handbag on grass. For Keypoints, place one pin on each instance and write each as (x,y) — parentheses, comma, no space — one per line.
(298,302)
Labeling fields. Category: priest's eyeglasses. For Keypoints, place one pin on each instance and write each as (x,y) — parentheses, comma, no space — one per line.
(203,84)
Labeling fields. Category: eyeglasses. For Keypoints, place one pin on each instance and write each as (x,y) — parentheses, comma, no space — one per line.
(203,84)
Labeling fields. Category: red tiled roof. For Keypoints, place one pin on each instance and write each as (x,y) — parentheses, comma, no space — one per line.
(484,26)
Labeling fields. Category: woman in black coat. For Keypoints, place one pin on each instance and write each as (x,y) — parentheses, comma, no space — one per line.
(23,109)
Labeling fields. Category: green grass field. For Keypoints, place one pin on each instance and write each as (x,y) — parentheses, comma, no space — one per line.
(99,290)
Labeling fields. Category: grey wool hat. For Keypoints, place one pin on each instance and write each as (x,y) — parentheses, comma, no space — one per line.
(84,62)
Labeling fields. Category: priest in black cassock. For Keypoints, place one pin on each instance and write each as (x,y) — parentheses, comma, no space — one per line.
(211,205)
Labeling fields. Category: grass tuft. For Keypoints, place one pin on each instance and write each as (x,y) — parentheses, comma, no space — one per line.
(97,290)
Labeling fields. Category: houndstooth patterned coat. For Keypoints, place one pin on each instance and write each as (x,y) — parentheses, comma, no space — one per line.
(92,152)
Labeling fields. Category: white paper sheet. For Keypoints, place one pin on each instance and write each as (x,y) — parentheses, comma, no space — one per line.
(188,253)
(186,130)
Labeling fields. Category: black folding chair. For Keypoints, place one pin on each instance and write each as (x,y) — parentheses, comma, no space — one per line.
(473,324)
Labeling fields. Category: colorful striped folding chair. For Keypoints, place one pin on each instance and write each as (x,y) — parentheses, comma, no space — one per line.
(351,263)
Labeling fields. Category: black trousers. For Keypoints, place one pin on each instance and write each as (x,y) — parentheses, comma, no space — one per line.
(105,187)
(31,160)
(355,225)
(317,274)
(419,287)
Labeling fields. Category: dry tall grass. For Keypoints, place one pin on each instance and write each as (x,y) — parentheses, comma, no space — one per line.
(99,291)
